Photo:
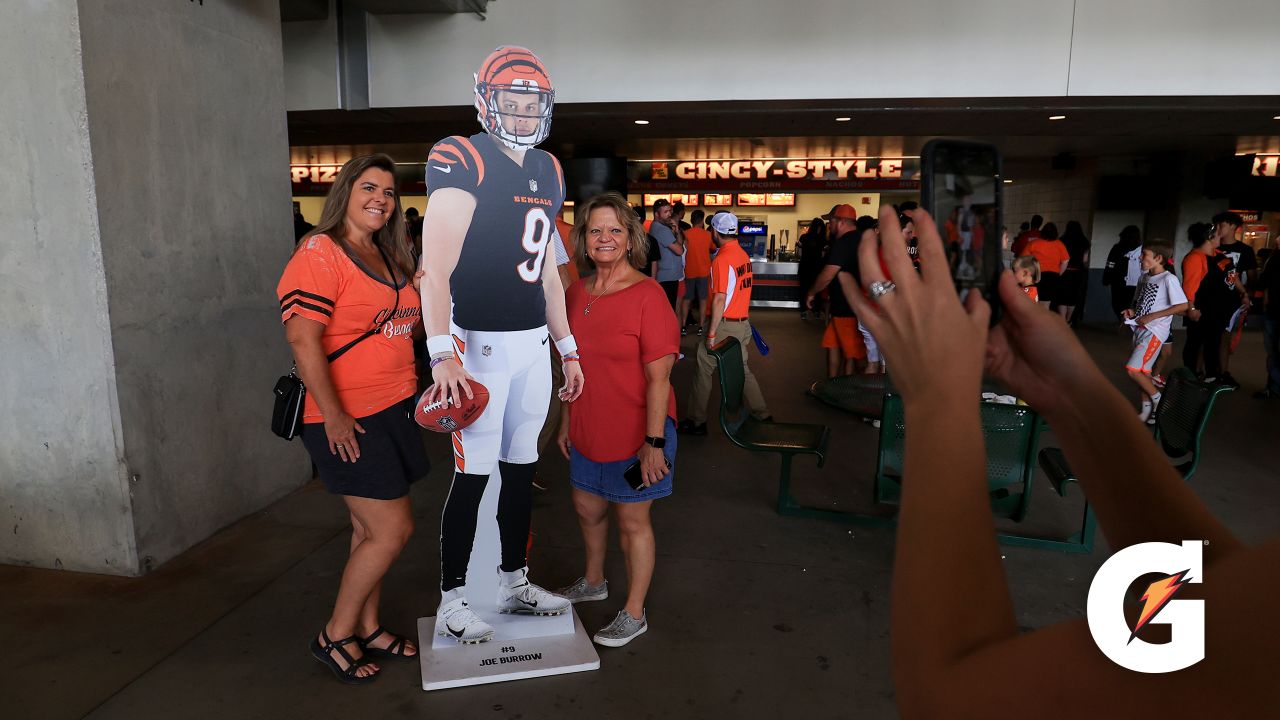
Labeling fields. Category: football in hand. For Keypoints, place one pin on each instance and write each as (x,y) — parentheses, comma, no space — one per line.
(445,417)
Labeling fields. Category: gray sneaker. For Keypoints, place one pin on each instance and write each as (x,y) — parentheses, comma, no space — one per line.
(581,591)
(621,631)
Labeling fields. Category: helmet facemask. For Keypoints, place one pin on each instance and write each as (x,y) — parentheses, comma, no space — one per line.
(505,110)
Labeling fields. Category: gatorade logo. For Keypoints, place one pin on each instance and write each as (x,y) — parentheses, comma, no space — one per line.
(1181,564)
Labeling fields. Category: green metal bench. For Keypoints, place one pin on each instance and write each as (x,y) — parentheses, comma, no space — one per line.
(1183,414)
(1180,422)
(1010,433)
(785,439)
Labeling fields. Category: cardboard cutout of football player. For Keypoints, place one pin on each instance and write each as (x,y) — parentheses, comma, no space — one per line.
(487,233)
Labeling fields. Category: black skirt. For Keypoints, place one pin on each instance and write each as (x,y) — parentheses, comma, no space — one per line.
(1049,286)
(391,455)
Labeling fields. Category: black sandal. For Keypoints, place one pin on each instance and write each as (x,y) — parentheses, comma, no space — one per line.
(395,651)
(324,655)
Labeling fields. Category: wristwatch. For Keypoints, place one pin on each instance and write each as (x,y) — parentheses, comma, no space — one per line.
(656,442)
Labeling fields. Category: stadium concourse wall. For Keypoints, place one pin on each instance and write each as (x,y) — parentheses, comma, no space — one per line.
(676,50)
(148,220)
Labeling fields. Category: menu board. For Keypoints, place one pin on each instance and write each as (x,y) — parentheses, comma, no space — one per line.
(780,199)
(717,199)
(690,200)
(751,199)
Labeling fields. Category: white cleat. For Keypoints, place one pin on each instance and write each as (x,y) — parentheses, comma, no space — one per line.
(516,595)
(455,619)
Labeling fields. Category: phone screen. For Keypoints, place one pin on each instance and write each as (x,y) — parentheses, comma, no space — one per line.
(961,187)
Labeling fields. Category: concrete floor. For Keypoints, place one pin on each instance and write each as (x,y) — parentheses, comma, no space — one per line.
(752,615)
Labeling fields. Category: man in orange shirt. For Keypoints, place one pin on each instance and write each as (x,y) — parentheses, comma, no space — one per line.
(697,272)
(730,303)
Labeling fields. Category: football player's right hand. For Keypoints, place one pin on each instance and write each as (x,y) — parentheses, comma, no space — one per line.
(450,382)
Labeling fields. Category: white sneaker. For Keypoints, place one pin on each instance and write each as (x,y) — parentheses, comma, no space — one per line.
(455,619)
(1147,410)
(519,596)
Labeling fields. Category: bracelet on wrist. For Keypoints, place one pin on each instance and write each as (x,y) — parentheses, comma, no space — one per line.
(571,358)
(437,360)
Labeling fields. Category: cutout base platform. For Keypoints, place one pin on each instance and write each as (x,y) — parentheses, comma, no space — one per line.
(522,647)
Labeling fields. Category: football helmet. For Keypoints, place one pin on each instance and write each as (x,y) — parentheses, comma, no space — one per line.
(512,69)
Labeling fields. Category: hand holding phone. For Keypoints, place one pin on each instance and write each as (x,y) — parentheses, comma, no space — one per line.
(962,188)
(634,474)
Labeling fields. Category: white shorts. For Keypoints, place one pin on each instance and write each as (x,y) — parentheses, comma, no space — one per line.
(873,350)
(516,369)
(1146,349)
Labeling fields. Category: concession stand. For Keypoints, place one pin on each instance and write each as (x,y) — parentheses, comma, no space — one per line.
(775,199)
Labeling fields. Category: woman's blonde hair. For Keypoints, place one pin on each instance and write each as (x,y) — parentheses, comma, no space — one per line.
(392,237)
(637,239)
(1028,262)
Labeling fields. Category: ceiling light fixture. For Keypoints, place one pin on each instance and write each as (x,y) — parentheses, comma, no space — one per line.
(1276,117)
(1057,117)
(642,122)
(1008,182)
(843,119)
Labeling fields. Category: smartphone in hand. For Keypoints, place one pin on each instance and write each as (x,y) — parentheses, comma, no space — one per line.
(635,476)
(962,187)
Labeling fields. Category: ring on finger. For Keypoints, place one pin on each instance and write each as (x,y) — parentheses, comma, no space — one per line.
(879,288)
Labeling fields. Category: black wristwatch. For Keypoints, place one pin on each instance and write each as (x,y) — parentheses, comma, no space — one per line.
(656,442)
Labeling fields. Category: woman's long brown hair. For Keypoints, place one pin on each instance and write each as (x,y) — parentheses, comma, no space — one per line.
(392,238)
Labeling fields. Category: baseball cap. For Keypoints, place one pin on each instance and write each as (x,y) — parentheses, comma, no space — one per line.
(843,210)
(725,223)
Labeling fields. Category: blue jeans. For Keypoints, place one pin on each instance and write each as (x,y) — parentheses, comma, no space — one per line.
(1271,341)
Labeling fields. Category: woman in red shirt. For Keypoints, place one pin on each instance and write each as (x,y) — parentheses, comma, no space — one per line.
(627,332)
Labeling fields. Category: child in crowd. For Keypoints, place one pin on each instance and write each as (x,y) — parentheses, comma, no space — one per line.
(1156,300)
(1026,270)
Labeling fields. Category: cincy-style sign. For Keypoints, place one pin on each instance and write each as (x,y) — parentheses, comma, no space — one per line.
(776,174)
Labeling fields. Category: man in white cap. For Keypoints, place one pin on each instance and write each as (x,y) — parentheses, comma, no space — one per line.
(730,303)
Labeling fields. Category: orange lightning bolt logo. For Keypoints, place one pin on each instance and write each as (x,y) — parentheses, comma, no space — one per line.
(1158,594)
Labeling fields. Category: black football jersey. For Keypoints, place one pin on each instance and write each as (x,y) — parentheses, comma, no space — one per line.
(497,284)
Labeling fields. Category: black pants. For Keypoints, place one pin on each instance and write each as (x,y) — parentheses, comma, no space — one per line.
(672,289)
(1204,336)
(458,522)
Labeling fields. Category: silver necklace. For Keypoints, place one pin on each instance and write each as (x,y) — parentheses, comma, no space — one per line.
(587,310)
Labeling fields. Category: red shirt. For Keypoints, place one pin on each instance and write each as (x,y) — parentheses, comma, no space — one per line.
(624,331)
(1020,243)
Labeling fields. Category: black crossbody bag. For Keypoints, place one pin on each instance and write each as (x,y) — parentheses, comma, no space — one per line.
(290,393)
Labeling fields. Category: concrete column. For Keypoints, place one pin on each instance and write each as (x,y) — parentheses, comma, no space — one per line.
(147,215)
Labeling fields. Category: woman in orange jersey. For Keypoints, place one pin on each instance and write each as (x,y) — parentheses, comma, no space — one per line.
(946,646)
(1053,256)
(350,312)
